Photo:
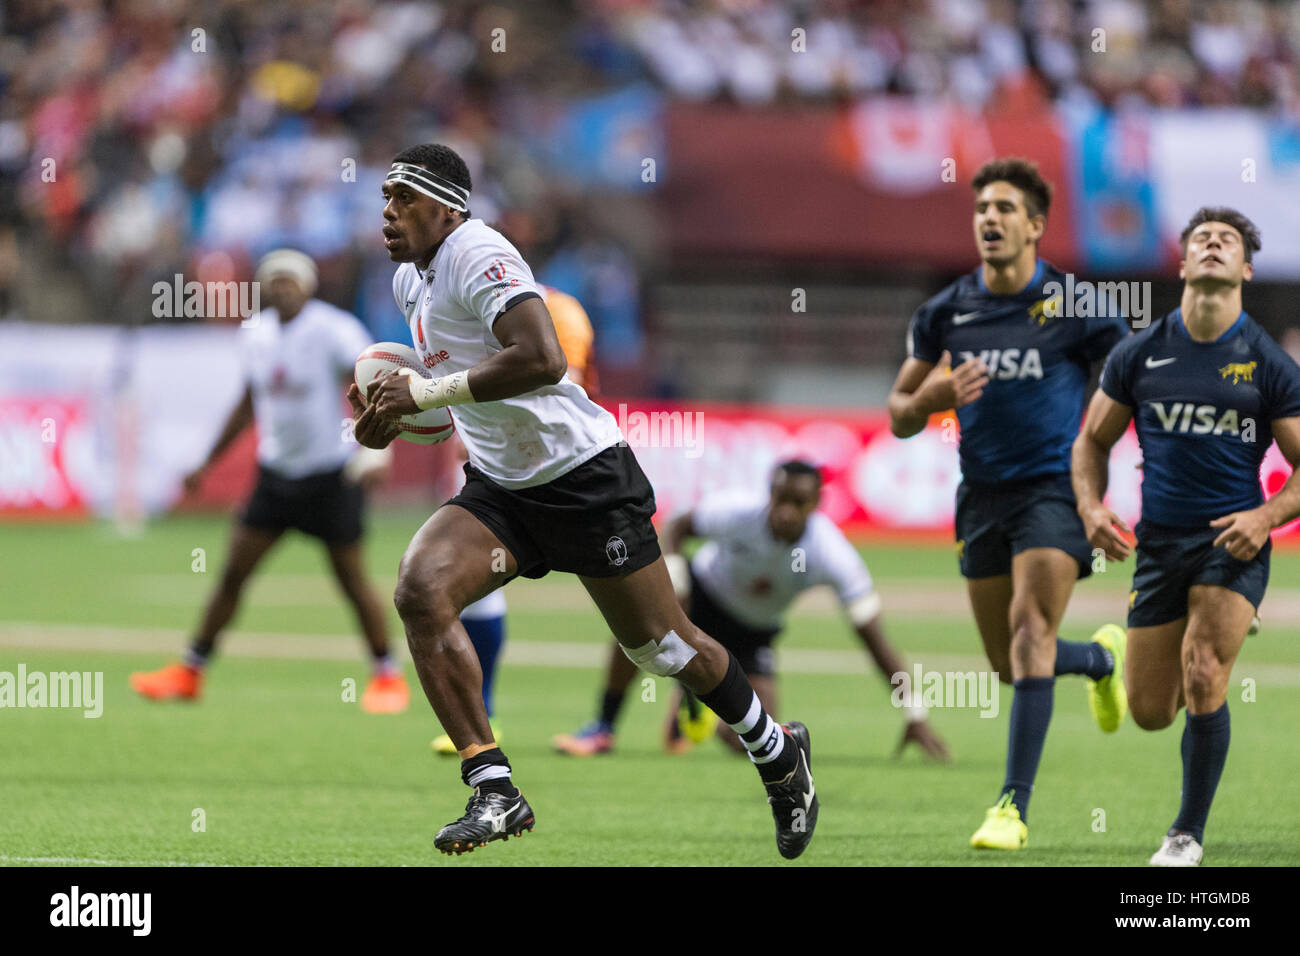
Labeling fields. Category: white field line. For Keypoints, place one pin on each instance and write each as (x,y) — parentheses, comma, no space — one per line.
(1100,599)
(92,861)
(39,636)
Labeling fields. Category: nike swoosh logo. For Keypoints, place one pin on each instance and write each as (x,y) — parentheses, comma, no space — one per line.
(1154,364)
(965,317)
(412,302)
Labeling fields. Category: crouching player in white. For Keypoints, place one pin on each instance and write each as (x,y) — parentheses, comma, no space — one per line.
(759,555)
(1209,391)
(550,486)
(296,355)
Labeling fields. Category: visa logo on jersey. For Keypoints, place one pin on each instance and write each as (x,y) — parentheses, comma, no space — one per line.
(1007,364)
(1190,419)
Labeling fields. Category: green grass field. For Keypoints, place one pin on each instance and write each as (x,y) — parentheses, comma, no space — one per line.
(286,772)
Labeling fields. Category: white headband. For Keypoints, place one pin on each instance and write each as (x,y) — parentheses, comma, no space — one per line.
(288,262)
(431,184)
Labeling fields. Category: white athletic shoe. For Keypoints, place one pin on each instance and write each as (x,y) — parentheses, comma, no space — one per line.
(1178,850)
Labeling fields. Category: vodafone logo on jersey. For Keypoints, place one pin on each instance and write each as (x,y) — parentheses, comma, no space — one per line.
(435,358)
(430,359)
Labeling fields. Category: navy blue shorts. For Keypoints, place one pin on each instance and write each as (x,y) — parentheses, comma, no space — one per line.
(593,521)
(1170,560)
(996,522)
(752,646)
(325,505)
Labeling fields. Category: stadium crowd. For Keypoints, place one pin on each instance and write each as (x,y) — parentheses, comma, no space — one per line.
(147,138)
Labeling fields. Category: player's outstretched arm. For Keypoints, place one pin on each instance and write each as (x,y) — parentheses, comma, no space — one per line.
(241,416)
(1245,532)
(923,388)
(890,662)
(1090,474)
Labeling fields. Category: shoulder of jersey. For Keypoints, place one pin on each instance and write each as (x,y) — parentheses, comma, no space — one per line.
(948,296)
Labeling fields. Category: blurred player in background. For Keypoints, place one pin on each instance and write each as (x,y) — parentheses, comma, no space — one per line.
(551,485)
(1018,390)
(485,620)
(296,354)
(1209,391)
(758,556)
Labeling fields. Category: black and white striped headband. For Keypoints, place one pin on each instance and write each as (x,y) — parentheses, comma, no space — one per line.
(431,184)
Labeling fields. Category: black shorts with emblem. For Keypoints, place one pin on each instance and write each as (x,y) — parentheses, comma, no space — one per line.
(1170,560)
(752,646)
(996,522)
(593,521)
(324,505)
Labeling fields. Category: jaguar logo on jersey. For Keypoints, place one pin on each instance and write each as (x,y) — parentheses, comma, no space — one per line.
(616,551)
(1048,308)
(1240,372)
(1007,364)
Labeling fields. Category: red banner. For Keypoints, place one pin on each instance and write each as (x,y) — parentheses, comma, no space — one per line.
(42,445)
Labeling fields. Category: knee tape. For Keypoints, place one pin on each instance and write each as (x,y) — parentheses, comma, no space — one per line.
(662,658)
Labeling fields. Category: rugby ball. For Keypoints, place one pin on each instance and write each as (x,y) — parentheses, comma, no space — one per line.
(424,428)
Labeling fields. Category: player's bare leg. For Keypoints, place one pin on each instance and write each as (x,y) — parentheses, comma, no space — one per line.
(990,600)
(646,618)
(184,679)
(450,563)
(349,570)
(1153,673)
(386,692)
(1216,626)
(248,546)
(1041,581)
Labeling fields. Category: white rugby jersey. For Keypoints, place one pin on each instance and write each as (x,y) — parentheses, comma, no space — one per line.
(518,442)
(756,577)
(296,370)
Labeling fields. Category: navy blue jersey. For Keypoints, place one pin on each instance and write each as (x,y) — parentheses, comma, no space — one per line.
(1039,362)
(1204,413)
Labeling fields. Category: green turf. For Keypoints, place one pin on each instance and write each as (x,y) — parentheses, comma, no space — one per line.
(286,771)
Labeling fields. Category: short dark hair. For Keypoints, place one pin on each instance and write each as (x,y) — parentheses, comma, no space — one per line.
(440,160)
(1249,231)
(1021,173)
(797,466)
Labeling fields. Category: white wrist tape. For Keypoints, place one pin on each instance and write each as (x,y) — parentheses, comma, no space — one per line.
(679,570)
(436,392)
(864,610)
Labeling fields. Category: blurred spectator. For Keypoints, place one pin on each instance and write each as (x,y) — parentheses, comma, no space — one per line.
(139,138)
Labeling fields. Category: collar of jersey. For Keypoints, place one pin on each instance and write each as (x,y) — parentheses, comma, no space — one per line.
(425,273)
(1228,333)
(1033,281)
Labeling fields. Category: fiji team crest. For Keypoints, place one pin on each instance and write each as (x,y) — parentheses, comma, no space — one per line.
(1240,372)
